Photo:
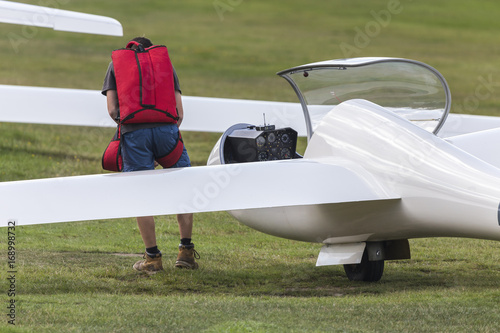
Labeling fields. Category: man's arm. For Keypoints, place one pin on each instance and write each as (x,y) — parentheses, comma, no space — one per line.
(180,110)
(113,106)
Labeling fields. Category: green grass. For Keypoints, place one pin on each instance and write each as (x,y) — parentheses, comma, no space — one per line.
(239,55)
(77,277)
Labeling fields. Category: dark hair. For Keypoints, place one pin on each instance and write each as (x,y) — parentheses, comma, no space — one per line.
(145,42)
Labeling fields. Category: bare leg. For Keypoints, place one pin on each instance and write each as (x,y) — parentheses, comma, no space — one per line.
(187,253)
(146,226)
(151,263)
(185,225)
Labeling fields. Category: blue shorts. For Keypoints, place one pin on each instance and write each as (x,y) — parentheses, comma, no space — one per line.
(141,147)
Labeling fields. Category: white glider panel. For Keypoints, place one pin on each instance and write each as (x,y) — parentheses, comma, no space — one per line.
(458,124)
(58,19)
(218,114)
(196,189)
(482,144)
(80,107)
(57,106)
(341,254)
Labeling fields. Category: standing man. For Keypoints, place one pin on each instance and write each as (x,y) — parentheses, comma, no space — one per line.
(144,98)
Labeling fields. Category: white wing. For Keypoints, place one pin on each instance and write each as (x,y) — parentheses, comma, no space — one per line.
(482,144)
(218,114)
(195,189)
(82,107)
(459,124)
(58,19)
(58,106)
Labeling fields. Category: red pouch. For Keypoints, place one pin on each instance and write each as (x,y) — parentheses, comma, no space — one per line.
(112,157)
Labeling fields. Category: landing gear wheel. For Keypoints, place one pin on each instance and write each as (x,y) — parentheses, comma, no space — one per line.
(370,271)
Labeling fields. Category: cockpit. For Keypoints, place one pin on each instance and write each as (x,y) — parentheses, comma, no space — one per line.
(409,88)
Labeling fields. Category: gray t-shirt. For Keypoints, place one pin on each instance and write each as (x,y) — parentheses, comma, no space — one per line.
(110,84)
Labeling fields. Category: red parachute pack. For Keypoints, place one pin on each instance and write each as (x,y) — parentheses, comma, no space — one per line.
(145,85)
(146,94)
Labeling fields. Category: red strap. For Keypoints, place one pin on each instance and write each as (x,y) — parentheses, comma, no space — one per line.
(172,157)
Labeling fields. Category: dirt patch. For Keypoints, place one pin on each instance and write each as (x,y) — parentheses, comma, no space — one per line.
(126,254)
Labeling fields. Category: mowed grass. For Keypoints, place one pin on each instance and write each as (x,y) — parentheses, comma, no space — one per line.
(77,277)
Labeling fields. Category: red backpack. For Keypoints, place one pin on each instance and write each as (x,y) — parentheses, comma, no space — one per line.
(145,85)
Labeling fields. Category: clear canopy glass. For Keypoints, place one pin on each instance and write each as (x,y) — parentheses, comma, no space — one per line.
(409,88)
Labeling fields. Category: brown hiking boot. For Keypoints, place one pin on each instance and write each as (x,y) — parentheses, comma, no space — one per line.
(149,264)
(186,256)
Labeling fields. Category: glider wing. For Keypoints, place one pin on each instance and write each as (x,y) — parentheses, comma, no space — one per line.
(58,19)
(184,190)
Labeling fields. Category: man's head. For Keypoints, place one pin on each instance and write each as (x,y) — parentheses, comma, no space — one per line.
(145,42)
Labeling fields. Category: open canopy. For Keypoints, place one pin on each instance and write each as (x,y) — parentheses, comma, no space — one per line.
(409,88)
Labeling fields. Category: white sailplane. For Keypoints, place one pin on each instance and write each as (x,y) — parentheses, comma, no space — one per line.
(384,163)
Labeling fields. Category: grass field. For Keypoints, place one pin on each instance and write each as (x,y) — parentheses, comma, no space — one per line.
(77,277)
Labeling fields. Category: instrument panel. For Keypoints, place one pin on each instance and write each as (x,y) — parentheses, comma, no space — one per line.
(260,143)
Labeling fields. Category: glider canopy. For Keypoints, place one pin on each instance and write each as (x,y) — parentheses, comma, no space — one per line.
(412,89)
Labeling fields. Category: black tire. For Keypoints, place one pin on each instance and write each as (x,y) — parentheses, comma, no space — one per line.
(368,271)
